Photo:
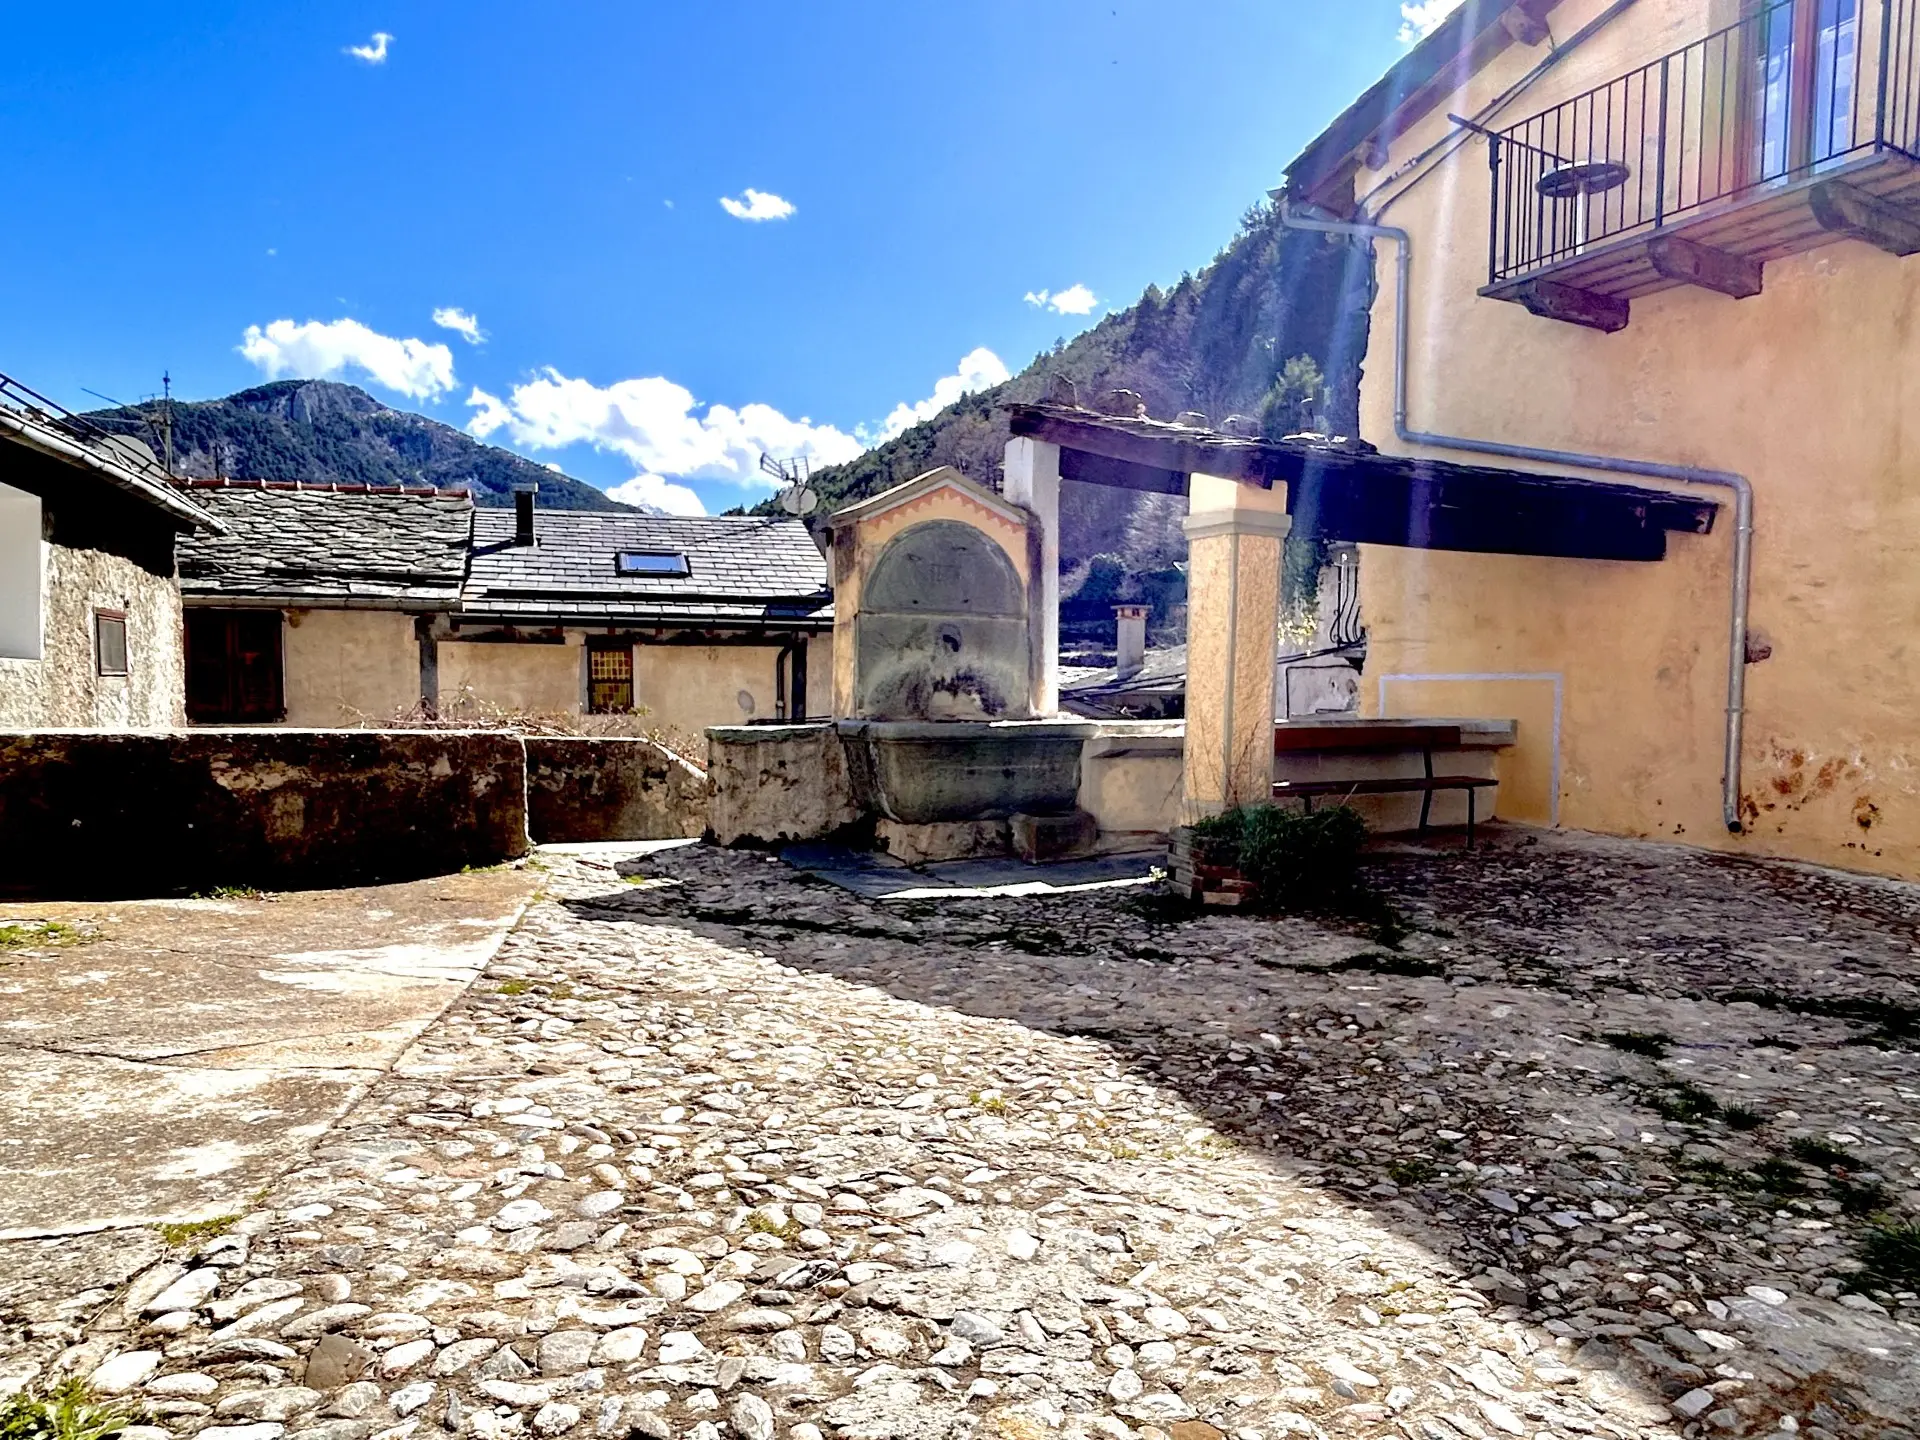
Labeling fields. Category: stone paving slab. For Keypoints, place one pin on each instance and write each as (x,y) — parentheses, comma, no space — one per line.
(1588,1145)
(164,1059)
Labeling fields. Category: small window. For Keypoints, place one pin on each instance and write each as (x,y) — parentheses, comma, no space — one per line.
(110,642)
(651,562)
(610,678)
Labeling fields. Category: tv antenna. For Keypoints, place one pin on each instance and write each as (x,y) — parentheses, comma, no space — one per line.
(797,497)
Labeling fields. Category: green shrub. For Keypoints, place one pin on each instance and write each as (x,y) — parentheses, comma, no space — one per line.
(1293,861)
(67,1411)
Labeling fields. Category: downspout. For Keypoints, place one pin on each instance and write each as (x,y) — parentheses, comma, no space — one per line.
(1741,487)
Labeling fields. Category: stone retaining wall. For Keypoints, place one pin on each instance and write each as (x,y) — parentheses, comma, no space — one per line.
(590,788)
(159,812)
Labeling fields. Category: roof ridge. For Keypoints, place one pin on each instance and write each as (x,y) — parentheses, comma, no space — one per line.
(325,487)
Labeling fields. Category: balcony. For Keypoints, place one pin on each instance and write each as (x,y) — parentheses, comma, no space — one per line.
(1795,127)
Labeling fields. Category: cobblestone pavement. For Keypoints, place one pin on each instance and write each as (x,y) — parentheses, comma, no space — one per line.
(715,1150)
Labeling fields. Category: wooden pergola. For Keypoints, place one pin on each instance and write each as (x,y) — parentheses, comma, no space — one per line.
(1245,496)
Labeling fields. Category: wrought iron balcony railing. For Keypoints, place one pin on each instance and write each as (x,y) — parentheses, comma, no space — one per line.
(1720,145)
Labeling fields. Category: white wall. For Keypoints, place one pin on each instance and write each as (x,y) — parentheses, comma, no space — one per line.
(21,575)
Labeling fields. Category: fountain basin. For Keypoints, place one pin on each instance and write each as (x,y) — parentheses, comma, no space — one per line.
(926,772)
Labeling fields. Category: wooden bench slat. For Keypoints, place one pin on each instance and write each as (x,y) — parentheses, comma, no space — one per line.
(1391,786)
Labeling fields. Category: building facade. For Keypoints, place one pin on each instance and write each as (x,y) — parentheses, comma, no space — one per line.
(89,606)
(331,605)
(1671,239)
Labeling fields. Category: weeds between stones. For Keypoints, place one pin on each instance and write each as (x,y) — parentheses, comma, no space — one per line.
(188,1232)
(1889,1256)
(1650,1043)
(39,934)
(67,1411)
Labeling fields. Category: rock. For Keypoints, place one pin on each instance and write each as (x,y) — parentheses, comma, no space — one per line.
(402,1358)
(1167,1321)
(1341,1368)
(463,1353)
(521,1214)
(565,1352)
(504,1364)
(759,1321)
(342,1429)
(1021,1245)
(976,1329)
(336,1360)
(717,1296)
(678,1347)
(1694,1403)
(411,1398)
(516,1393)
(319,1322)
(619,1347)
(186,1382)
(351,1402)
(1125,1386)
(279,1403)
(186,1293)
(555,1418)
(125,1371)
(265,1431)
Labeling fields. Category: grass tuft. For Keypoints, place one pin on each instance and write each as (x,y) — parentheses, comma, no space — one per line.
(1416,1170)
(189,1232)
(1890,1257)
(1685,1102)
(1810,1150)
(39,935)
(1742,1117)
(66,1411)
(514,987)
(1650,1043)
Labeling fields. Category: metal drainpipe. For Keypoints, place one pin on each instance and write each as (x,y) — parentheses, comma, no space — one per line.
(1741,487)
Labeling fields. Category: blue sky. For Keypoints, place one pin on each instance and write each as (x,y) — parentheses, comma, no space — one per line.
(511,217)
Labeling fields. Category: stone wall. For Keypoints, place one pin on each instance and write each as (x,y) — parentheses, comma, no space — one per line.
(62,686)
(581,789)
(774,783)
(88,812)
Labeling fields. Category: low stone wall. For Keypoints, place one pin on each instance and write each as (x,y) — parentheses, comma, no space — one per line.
(158,812)
(775,783)
(593,788)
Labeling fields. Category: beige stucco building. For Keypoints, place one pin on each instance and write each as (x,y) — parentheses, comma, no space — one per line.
(89,607)
(332,605)
(1670,240)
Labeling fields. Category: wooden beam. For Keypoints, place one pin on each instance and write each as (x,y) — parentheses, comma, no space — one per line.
(1245,461)
(1091,469)
(1680,259)
(1551,300)
(1848,210)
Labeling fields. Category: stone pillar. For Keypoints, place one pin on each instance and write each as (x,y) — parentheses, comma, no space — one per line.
(1234,534)
(1032,479)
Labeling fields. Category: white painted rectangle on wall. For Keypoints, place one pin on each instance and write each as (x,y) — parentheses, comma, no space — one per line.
(22,576)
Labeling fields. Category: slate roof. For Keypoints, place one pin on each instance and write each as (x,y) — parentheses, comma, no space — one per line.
(353,545)
(742,570)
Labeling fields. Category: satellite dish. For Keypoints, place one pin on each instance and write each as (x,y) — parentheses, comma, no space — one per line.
(798,497)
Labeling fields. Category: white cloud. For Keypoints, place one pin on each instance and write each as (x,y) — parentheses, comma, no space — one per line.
(1074,300)
(463,323)
(1421,18)
(658,425)
(418,369)
(659,492)
(978,370)
(756,205)
(374,52)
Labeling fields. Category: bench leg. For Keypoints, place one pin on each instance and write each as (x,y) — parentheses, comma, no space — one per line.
(1471,793)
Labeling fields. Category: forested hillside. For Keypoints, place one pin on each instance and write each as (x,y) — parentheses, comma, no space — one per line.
(1266,326)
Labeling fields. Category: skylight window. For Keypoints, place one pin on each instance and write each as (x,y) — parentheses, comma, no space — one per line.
(651,562)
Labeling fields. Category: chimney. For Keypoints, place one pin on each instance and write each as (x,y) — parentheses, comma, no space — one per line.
(523,514)
(1130,646)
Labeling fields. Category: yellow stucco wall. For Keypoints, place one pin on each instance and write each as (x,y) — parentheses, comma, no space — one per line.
(538,679)
(689,687)
(349,667)
(1807,389)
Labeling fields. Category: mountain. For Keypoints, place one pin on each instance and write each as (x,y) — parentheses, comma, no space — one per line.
(322,430)
(1267,327)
